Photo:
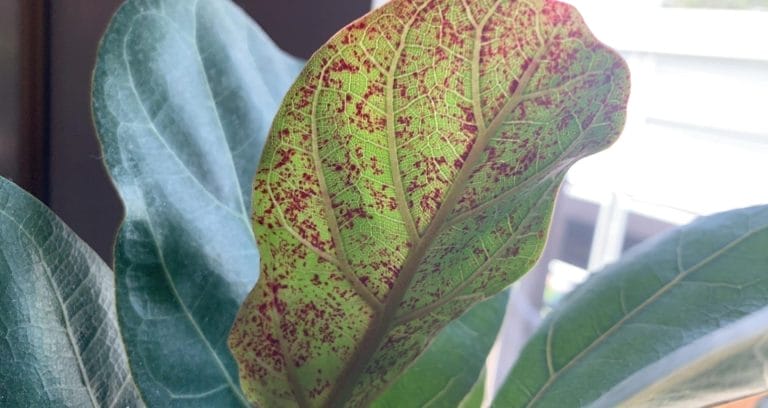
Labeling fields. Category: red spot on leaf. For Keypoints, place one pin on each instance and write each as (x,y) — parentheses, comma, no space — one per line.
(285,157)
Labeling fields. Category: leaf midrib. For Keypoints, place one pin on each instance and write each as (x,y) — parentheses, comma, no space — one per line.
(668,286)
(454,293)
(155,241)
(383,320)
(242,216)
(64,313)
(542,175)
(166,273)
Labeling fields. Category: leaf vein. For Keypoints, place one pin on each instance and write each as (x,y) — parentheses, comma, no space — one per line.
(668,286)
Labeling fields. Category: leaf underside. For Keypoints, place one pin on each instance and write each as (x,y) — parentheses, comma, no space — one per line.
(59,341)
(409,174)
(184,92)
(664,295)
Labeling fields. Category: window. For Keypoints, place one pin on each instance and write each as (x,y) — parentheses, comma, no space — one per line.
(719,4)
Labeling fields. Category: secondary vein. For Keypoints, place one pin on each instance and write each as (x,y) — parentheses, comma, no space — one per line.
(394,162)
(330,215)
(384,320)
(682,275)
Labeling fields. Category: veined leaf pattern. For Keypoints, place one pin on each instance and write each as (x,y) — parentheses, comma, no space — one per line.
(183,95)
(409,174)
(61,345)
(659,299)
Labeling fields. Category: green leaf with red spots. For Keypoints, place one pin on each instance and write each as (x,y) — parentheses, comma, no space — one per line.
(410,174)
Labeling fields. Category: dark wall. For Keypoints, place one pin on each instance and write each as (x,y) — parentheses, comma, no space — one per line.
(302,26)
(79,191)
(9,92)
(77,188)
(23,93)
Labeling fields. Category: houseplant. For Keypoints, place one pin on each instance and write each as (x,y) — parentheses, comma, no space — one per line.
(184,94)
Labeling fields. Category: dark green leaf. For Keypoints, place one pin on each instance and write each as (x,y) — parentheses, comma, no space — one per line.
(664,295)
(59,341)
(725,365)
(475,396)
(447,371)
(184,92)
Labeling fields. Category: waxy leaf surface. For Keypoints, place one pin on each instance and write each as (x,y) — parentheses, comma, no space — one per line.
(476,395)
(184,92)
(59,341)
(726,365)
(409,174)
(445,373)
(664,295)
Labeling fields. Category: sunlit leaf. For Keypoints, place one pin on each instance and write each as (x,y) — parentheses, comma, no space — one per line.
(661,297)
(59,341)
(184,92)
(410,174)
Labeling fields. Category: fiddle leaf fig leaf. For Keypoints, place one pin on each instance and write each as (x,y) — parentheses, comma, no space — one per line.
(61,346)
(409,174)
(663,296)
(726,365)
(475,396)
(183,95)
(445,373)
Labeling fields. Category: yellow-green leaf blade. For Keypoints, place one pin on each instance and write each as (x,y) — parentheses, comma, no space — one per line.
(409,174)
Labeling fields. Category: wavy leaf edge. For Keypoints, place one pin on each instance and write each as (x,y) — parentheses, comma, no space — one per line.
(307,219)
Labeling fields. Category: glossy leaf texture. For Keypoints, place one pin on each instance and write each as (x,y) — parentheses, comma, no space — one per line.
(60,345)
(445,373)
(662,296)
(726,365)
(183,95)
(476,395)
(410,174)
